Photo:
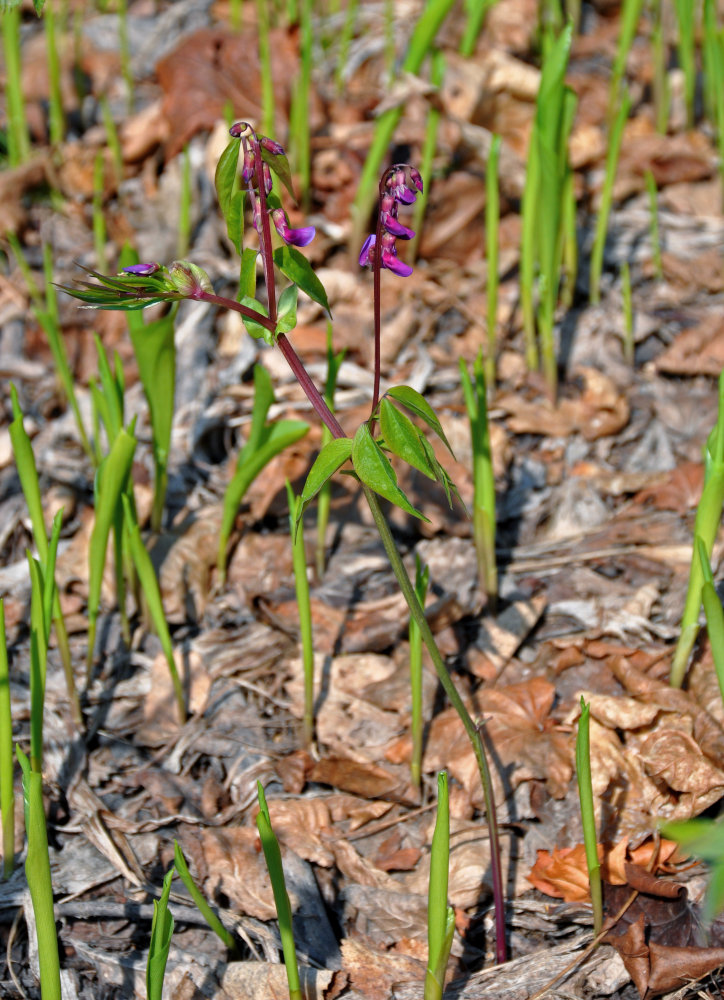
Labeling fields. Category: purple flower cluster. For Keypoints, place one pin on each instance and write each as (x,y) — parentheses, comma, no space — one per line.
(250,144)
(395,191)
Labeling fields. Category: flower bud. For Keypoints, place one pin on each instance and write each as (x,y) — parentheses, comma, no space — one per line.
(268,179)
(295,237)
(189,279)
(416,178)
(270,145)
(238,129)
(143,270)
(247,171)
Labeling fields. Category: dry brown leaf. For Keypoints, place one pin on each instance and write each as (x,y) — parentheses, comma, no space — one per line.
(698,350)
(160,712)
(235,866)
(188,562)
(680,491)
(373,973)
(365,779)
(303,825)
(265,981)
(674,757)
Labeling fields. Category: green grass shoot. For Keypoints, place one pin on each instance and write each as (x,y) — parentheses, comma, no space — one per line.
(703,838)
(686,50)
(28,474)
(235,15)
(99,219)
(155,349)
(345,40)
(152,598)
(273,857)
(706,524)
(301,584)
(713,611)
(422,579)
(588,816)
(429,147)
(264,442)
(324,497)
(56,115)
(475,11)
(629,344)
(440,916)
(299,135)
(713,59)
(265,68)
(37,872)
(208,914)
(421,42)
(17,128)
(654,221)
(475,396)
(492,226)
(42,596)
(7,787)
(604,210)
(113,140)
(161,933)
(630,15)
(660,83)
(111,482)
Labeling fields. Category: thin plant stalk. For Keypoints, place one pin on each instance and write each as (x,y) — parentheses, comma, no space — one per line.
(440,916)
(492,225)
(630,16)
(686,47)
(324,497)
(18,137)
(7,790)
(112,139)
(662,95)
(654,218)
(713,58)
(28,473)
(612,155)
(301,584)
(475,396)
(629,344)
(429,146)
(350,17)
(714,613)
(422,39)
(99,221)
(588,815)
(37,872)
(299,118)
(56,117)
(422,580)
(706,525)
(475,11)
(265,68)
(273,858)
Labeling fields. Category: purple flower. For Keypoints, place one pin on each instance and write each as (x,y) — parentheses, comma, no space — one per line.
(247,171)
(367,247)
(397,186)
(389,221)
(271,145)
(238,129)
(268,179)
(295,237)
(143,270)
(256,214)
(416,178)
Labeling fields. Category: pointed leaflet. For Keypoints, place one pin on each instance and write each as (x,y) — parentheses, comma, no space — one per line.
(161,932)
(375,471)
(225,176)
(279,164)
(332,456)
(412,399)
(403,438)
(253,328)
(297,268)
(287,310)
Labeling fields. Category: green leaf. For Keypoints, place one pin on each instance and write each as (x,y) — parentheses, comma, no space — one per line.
(412,399)
(287,309)
(161,932)
(254,329)
(375,471)
(225,176)
(247,275)
(297,268)
(403,438)
(332,456)
(279,164)
(235,220)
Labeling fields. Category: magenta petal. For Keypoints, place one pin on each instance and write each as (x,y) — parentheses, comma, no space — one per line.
(144,270)
(416,178)
(404,195)
(298,237)
(394,264)
(392,225)
(364,254)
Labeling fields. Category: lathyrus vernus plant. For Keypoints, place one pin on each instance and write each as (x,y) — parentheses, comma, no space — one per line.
(388,430)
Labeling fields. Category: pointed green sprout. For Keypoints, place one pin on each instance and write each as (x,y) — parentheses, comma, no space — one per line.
(713,611)
(630,15)
(654,217)
(111,482)
(484,527)
(7,789)
(588,815)
(265,442)
(273,858)
(706,525)
(686,46)
(42,596)
(422,579)
(161,933)
(629,343)
(37,872)
(28,473)
(599,242)
(440,916)
(208,914)
(301,584)
(18,139)
(713,58)
(492,226)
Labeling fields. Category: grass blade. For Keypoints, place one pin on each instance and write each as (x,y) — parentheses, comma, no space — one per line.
(7,790)
(588,816)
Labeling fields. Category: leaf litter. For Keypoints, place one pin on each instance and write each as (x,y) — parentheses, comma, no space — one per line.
(596,501)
